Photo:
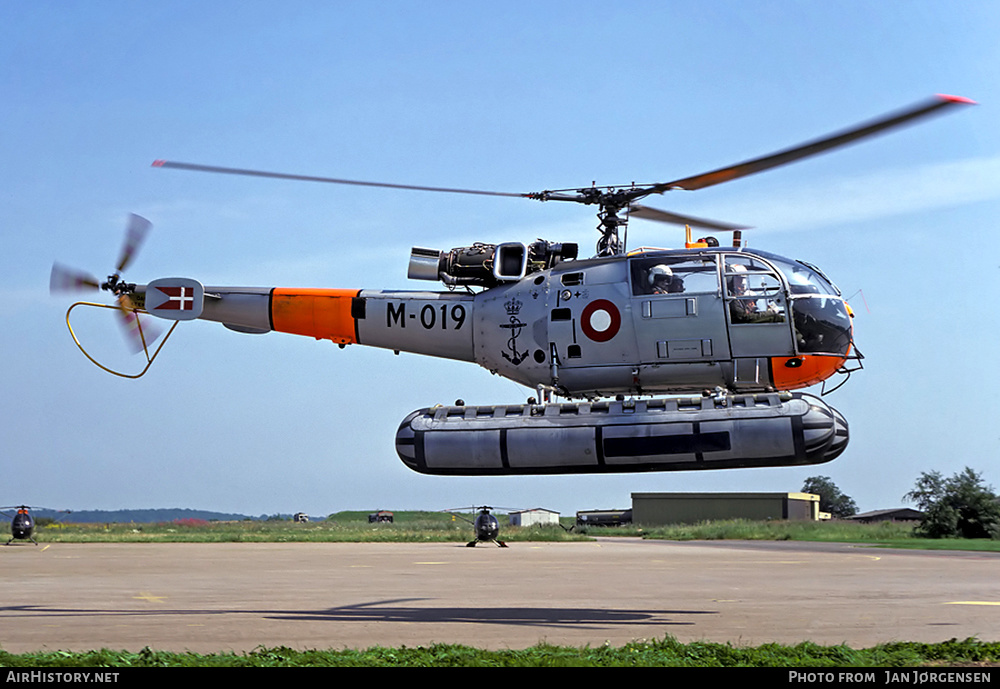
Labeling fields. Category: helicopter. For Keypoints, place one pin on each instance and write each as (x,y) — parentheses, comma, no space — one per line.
(486,526)
(22,526)
(669,359)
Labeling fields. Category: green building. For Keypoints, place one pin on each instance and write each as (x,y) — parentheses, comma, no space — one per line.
(691,508)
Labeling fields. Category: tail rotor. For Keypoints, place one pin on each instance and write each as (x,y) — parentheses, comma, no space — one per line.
(136,325)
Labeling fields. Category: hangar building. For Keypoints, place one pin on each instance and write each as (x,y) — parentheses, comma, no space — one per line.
(691,508)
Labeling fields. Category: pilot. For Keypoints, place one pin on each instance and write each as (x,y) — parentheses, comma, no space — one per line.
(744,308)
(662,280)
(738,283)
(741,310)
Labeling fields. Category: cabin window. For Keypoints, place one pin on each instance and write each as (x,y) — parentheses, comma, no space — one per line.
(674,275)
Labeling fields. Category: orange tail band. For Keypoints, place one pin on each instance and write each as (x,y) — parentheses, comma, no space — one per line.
(321,313)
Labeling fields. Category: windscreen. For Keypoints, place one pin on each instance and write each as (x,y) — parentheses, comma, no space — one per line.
(822,325)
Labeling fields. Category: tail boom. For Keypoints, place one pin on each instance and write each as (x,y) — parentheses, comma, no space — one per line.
(431,323)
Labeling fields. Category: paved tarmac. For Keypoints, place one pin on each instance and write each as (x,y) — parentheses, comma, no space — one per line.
(216,597)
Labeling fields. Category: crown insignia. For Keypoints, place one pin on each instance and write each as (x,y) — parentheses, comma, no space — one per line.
(513,306)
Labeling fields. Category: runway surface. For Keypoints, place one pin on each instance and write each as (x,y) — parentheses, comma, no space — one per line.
(216,597)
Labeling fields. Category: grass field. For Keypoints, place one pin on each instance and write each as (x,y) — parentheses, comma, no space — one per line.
(408,527)
(417,526)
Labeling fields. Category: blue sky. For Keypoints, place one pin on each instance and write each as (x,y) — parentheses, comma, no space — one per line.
(515,98)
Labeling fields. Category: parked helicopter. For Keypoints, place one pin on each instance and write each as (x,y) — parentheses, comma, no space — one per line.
(733,328)
(22,525)
(486,526)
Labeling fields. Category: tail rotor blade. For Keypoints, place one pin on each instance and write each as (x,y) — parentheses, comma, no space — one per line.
(65,279)
(139,332)
(138,228)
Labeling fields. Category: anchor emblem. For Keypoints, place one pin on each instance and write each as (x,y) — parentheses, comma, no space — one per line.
(513,308)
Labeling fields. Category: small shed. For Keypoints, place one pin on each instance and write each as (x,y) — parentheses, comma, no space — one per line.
(532,517)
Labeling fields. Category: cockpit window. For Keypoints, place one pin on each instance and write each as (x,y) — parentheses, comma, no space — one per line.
(673,275)
(753,291)
(820,319)
(822,325)
(803,278)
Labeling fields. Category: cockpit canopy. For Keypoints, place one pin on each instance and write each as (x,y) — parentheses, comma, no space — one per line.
(802,277)
(760,289)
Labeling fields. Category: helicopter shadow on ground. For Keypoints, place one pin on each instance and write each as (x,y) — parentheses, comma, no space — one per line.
(389,611)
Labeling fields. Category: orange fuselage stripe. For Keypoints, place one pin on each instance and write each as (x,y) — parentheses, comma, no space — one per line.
(321,313)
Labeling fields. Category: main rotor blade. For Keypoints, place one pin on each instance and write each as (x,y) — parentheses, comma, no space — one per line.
(328,180)
(65,279)
(647,213)
(135,234)
(811,148)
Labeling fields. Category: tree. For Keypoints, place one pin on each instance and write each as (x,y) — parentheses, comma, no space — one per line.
(928,489)
(957,507)
(830,498)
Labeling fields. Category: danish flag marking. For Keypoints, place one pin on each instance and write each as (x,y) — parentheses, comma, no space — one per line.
(178,298)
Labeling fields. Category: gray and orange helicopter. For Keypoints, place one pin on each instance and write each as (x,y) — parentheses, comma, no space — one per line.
(676,359)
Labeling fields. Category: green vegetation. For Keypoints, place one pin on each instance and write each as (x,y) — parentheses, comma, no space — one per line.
(343,527)
(960,506)
(884,534)
(831,531)
(831,499)
(423,527)
(667,652)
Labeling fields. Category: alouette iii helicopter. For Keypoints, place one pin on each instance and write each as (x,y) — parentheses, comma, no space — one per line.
(677,359)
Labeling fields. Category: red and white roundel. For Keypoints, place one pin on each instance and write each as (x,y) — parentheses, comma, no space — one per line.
(600,320)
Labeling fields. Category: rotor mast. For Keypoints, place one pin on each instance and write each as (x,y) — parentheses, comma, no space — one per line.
(611,202)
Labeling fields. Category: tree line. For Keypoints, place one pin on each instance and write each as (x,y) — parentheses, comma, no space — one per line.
(960,506)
